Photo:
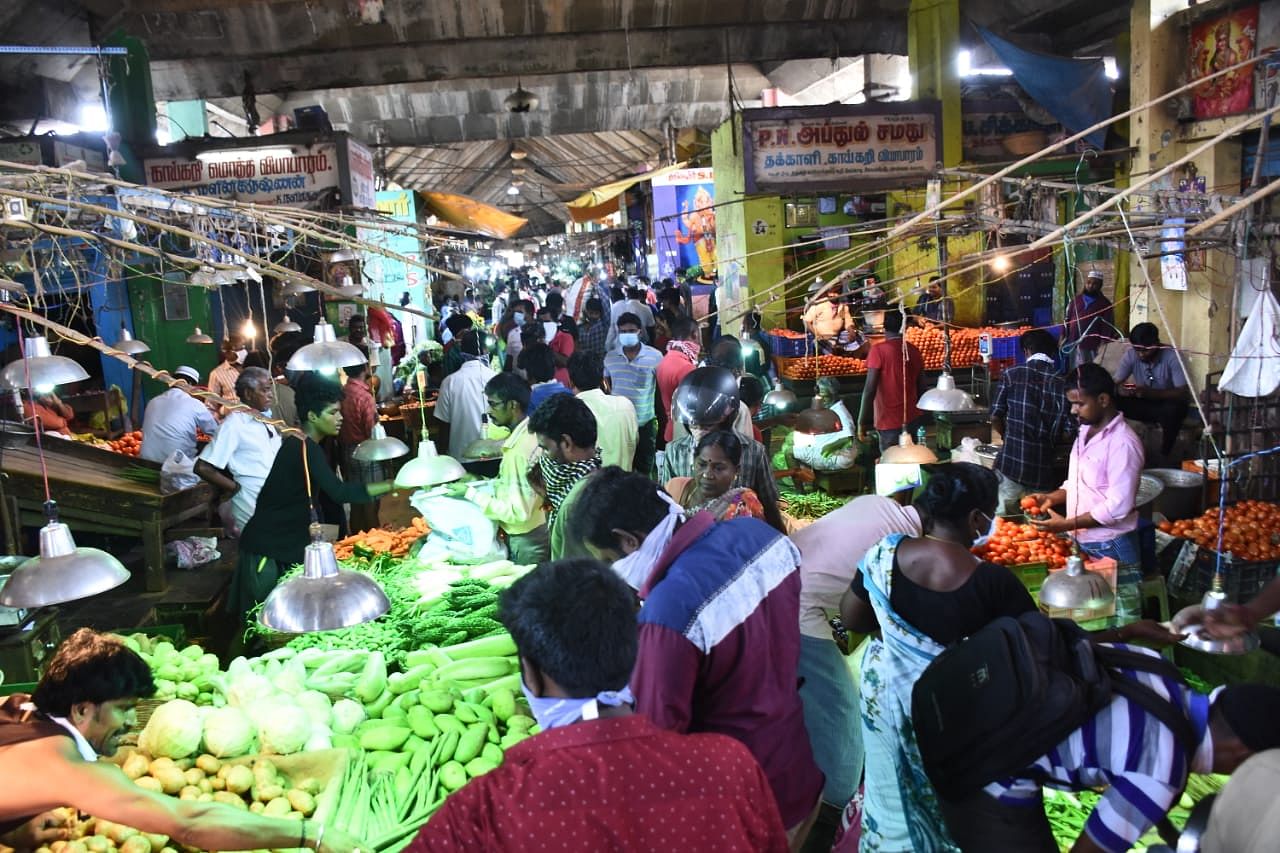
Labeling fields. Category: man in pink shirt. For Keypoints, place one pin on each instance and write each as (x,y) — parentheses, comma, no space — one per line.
(1102,483)
(679,362)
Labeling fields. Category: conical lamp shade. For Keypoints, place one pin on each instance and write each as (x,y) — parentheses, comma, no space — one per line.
(199,337)
(1075,588)
(62,572)
(428,468)
(39,366)
(380,447)
(287,325)
(296,288)
(946,397)
(342,256)
(779,397)
(908,452)
(323,597)
(130,345)
(326,353)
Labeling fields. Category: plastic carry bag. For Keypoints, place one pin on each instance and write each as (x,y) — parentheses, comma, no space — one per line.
(193,551)
(460,532)
(177,473)
(1254,367)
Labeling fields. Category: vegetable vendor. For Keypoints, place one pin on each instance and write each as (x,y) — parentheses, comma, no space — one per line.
(509,499)
(826,451)
(599,776)
(278,533)
(82,706)
(827,317)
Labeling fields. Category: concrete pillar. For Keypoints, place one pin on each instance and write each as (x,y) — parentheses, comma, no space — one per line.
(749,238)
(1197,320)
(131,101)
(933,39)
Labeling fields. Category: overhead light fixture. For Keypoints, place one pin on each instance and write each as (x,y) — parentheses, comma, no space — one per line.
(518,170)
(130,345)
(39,367)
(324,597)
(249,330)
(906,451)
(428,468)
(1001,264)
(286,325)
(224,278)
(244,153)
(379,447)
(518,154)
(326,353)
(1202,641)
(1075,588)
(750,344)
(342,256)
(349,288)
(779,397)
(946,397)
(817,420)
(521,100)
(198,337)
(62,572)
(296,287)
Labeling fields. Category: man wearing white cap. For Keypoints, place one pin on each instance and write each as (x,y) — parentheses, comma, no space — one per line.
(172,419)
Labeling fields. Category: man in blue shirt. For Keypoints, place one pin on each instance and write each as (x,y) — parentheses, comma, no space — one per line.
(1159,392)
(632,370)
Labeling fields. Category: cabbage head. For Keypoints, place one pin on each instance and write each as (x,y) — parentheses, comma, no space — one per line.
(284,729)
(173,731)
(228,733)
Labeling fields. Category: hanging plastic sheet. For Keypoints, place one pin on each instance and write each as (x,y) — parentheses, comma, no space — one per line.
(1076,91)
(1254,367)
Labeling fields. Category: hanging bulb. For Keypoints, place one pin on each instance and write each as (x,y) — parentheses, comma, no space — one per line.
(248,330)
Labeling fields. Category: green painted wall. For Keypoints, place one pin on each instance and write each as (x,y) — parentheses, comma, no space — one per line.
(168,338)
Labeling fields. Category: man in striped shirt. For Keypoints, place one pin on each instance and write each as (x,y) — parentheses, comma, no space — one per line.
(632,369)
(1133,755)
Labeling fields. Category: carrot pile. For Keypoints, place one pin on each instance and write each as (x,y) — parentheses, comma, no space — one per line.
(370,543)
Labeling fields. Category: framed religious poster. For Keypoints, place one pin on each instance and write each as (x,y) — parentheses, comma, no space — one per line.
(1218,43)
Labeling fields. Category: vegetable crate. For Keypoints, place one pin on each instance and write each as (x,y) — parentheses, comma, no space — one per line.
(1192,574)
(1032,576)
(791,346)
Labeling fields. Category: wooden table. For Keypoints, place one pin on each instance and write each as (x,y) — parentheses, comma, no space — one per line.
(93,497)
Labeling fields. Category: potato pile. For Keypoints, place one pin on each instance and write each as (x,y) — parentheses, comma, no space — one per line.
(260,787)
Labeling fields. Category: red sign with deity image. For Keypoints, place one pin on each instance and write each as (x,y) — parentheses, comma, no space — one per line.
(1216,44)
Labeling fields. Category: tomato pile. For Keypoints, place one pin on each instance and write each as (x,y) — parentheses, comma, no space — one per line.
(787,333)
(811,367)
(1013,544)
(1251,530)
(130,444)
(964,344)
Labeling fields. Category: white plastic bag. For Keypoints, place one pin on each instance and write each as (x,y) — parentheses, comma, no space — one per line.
(459,530)
(1254,367)
(177,473)
(193,551)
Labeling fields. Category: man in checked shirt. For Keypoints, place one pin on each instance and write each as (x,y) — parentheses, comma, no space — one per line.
(1030,410)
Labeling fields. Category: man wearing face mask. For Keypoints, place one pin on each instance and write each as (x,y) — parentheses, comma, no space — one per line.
(522,309)
(719,627)
(222,379)
(632,370)
(566,432)
(599,776)
(560,341)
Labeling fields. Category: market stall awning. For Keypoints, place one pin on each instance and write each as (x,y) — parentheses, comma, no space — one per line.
(467,213)
(603,200)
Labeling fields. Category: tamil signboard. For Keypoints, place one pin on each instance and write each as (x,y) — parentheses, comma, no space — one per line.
(857,148)
(296,176)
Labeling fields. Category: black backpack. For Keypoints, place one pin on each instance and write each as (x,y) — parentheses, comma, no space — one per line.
(992,704)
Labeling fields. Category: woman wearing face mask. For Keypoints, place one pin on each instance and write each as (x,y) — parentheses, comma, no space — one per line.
(921,595)
(509,329)
(715,466)
(560,341)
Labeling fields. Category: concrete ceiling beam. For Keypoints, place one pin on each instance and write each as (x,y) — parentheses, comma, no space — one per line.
(194,68)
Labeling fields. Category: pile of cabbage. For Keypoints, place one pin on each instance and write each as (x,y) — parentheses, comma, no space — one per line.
(265,705)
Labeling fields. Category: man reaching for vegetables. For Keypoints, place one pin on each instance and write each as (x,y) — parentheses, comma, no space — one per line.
(80,709)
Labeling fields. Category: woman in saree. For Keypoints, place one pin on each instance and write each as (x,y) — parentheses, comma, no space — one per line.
(716,460)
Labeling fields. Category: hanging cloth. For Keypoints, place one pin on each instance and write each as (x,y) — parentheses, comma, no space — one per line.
(1254,367)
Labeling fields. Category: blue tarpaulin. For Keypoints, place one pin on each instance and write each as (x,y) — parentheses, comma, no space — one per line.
(1076,91)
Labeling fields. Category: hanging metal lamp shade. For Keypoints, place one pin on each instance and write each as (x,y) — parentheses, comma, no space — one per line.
(342,256)
(198,337)
(428,468)
(296,288)
(946,397)
(62,572)
(1202,641)
(1075,588)
(906,451)
(324,597)
(380,447)
(326,353)
(40,367)
(287,325)
(817,420)
(130,345)
(779,397)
